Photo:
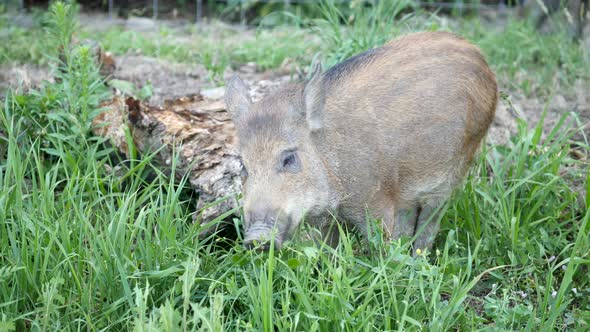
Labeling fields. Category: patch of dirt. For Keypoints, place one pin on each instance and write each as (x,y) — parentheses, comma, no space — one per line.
(176,80)
(531,110)
(168,80)
(22,77)
(558,105)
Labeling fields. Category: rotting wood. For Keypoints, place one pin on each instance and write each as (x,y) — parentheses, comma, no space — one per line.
(199,132)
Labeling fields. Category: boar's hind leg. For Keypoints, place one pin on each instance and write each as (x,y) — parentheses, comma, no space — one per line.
(427,226)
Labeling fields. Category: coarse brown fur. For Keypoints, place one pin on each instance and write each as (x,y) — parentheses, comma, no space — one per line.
(389,132)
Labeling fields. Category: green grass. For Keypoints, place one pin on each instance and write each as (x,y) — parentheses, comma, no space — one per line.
(84,249)
(11,36)
(539,65)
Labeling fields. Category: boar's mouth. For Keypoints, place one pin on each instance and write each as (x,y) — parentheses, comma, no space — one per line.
(261,234)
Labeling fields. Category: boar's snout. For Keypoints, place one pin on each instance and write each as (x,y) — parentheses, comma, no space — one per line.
(262,230)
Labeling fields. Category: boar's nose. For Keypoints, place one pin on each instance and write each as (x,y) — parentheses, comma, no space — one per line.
(260,235)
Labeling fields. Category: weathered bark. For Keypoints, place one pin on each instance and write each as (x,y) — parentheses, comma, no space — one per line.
(199,132)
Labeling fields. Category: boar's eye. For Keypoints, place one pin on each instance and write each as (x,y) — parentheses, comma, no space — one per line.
(289,162)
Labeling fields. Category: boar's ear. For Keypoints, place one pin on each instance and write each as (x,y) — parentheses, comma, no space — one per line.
(314,99)
(237,99)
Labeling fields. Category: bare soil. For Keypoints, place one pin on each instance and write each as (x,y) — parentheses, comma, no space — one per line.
(22,77)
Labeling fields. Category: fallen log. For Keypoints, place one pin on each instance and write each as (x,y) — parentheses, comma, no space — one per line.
(198,131)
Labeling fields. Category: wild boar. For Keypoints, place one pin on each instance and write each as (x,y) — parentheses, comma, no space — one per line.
(387,134)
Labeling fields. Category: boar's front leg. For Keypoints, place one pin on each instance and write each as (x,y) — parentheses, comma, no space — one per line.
(328,230)
(395,222)
(330,234)
(427,226)
(404,223)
